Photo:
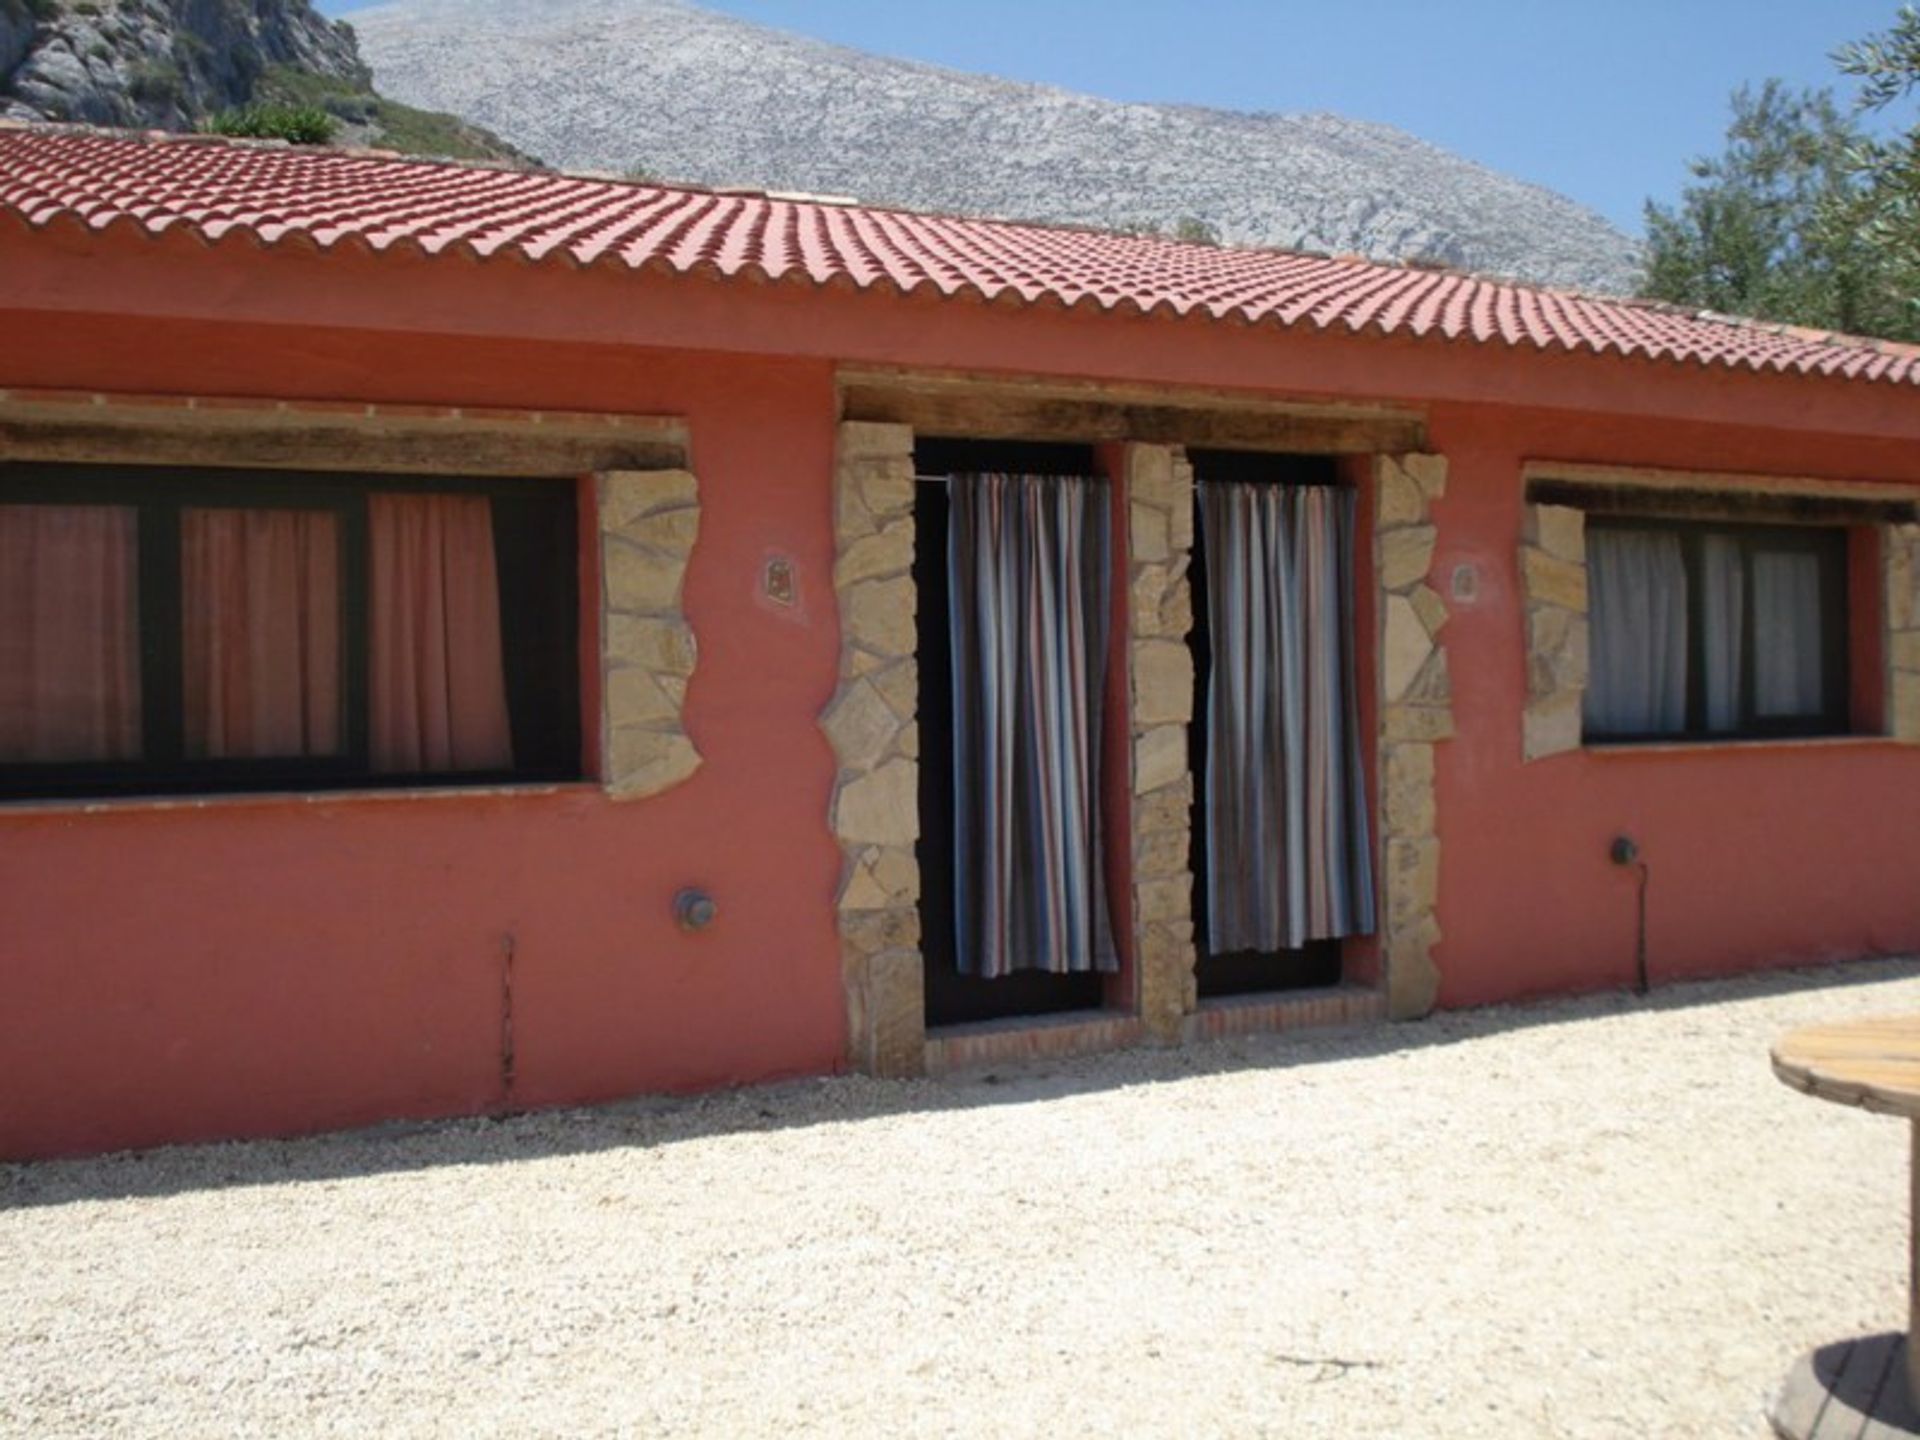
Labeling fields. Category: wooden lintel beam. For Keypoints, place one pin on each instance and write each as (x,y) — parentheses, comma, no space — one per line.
(270,439)
(989,414)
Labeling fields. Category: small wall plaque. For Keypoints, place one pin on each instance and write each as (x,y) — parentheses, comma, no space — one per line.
(779,582)
(1465,585)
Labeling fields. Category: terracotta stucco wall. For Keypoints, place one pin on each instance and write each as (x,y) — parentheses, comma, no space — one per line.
(255,966)
(1759,854)
(250,966)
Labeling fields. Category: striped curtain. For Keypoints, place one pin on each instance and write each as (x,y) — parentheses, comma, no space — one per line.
(1288,856)
(1027,560)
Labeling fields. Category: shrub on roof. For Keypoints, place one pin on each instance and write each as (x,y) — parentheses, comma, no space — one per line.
(298,124)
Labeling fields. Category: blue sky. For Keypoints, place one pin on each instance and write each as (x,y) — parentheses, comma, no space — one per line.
(1604,100)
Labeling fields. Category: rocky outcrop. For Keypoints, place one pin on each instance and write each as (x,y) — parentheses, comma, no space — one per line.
(685,94)
(174,64)
(159,64)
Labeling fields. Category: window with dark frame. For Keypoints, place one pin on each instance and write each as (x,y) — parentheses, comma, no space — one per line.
(1715,631)
(174,631)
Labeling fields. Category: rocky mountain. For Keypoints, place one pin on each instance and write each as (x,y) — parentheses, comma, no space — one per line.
(175,64)
(665,88)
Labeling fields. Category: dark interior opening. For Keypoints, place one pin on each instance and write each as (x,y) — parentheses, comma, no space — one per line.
(953,998)
(1241,972)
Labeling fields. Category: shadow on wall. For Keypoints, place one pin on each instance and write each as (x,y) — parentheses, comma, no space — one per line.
(658,1121)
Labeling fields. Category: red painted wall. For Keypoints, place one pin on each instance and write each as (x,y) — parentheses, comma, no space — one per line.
(253,966)
(1758,854)
(264,965)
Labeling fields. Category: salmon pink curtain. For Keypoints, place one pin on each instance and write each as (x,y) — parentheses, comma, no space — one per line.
(439,691)
(69,633)
(260,619)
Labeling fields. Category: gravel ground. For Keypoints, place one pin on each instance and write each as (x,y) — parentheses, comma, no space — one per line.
(1592,1218)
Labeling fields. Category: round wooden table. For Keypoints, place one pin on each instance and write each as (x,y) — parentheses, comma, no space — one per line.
(1869,1385)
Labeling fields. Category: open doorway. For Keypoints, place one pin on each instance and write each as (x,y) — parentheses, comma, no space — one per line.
(1301,947)
(952,996)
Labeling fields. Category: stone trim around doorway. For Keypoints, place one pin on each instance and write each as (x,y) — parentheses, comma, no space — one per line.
(871,724)
(1416,714)
(1159,491)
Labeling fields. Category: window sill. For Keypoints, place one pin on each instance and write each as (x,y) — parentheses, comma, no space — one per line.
(1614,749)
(269,799)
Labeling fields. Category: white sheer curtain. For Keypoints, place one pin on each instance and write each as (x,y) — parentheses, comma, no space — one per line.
(1639,633)
(1788,663)
(1723,607)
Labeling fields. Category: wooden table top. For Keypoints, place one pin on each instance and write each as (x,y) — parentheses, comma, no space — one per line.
(1874,1064)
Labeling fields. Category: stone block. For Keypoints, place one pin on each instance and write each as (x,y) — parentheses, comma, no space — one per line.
(1167,808)
(1400,501)
(1557,651)
(1150,475)
(671,531)
(636,697)
(1560,530)
(1549,580)
(870,932)
(627,495)
(1145,594)
(886,552)
(888,491)
(1407,794)
(1168,898)
(1551,726)
(860,725)
(642,581)
(1425,723)
(1904,707)
(862,891)
(1900,561)
(899,686)
(1412,880)
(896,1006)
(1903,650)
(1180,520)
(646,762)
(898,873)
(1159,757)
(1413,980)
(880,808)
(1176,610)
(1160,853)
(664,646)
(878,615)
(1406,647)
(1429,472)
(1162,683)
(868,439)
(1434,684)
(1147,529)
(1430,607)
(1406,555)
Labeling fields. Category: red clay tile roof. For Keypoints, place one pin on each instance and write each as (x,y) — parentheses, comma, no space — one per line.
(274,195)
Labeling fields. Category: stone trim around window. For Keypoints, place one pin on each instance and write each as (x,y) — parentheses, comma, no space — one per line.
(1900,568)
(1416,714)
(649,521)
(1159,488)
(1553,591)
(872,724)
(1553,587)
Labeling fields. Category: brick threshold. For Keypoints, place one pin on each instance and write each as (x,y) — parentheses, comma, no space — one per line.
(1232,1015)
(1026,1037)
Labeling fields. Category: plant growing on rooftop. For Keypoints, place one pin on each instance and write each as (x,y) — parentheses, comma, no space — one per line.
(297,124)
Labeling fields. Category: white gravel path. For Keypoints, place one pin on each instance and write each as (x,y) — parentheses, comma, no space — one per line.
(1593,1218)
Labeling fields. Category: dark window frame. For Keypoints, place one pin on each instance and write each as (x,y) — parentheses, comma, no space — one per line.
(1830,544)
(545,706)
